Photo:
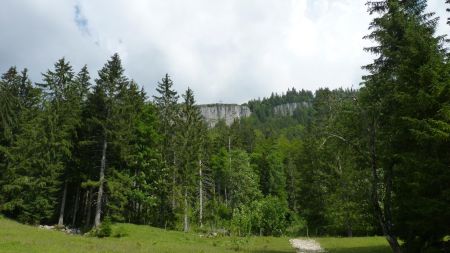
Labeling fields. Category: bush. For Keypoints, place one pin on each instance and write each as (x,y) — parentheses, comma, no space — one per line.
(241,224)
(265,217)
(104,230)
(274,211)
(297,225)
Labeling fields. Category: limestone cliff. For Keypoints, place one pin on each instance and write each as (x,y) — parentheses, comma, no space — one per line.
(213,113)
(289,109)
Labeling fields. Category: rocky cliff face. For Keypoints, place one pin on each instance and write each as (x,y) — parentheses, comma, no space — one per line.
(213,113)
(288,109)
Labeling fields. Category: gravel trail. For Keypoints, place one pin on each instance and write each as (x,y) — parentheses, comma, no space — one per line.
(306,245)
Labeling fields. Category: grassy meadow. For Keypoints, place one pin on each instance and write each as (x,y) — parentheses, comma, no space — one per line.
(355,245)
(15,237)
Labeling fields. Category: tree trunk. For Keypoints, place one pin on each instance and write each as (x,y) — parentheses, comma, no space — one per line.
(174,182)
(63,205)
(349,231)
(84,206)
(384,220)
(186,220)
(98,210)
(174,204)
(229,167)
(89,208)
(75,208)
(348,223)
(226,197)
(292,199)
(200,186)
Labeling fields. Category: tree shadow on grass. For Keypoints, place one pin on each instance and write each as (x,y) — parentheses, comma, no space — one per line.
(271,251)
(266,249)
(370,249)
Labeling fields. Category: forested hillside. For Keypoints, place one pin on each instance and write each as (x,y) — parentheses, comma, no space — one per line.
(77,151)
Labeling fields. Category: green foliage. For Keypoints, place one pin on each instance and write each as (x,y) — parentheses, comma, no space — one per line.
(18,117)
(267,216)
(404,95)
(273,216)
(271,173)
(104,230)
(343,162)
(297,225)
(167,113)
(241,222)
(263,109)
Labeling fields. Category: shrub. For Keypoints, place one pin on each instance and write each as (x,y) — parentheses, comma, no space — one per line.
(267,216)
(274,211)
(297,225)
(241,223)
(104,230)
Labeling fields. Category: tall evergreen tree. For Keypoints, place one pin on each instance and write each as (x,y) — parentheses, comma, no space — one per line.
(406,87)
(64,93)
(189,150)
(144,161)
(28,180)
(109,121)
(74,171)
(168,112)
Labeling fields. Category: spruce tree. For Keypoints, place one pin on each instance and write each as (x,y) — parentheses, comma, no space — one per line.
(65,94)
(29,181)
(144,161)
(168,112)
(109,121)
(404,94)
(9,112)
(189,144)
(75,168)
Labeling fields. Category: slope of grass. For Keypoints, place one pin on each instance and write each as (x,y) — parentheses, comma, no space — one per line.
(15,237)
(355,245)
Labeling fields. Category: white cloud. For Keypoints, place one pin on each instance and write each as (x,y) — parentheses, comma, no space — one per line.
(229,51)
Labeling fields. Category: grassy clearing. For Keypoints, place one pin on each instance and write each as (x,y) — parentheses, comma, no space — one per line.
(15,237)
(355,245)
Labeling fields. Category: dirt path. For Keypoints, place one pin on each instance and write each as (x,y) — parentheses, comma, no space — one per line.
(306,245)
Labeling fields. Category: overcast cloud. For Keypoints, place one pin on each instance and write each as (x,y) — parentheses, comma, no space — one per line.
(226,51)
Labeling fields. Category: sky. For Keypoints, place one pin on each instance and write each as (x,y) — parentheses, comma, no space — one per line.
(226,51)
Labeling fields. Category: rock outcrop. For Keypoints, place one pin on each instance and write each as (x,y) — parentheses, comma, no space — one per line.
(213,113)
(289,109)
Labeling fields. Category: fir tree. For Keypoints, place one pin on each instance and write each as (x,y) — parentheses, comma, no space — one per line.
(402,93)
(109,93)
(167,108)
(189,149)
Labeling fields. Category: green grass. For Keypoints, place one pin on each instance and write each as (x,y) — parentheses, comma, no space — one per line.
(15,237)
(355,245)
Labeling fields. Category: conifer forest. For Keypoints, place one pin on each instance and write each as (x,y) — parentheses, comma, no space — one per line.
(82,148)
